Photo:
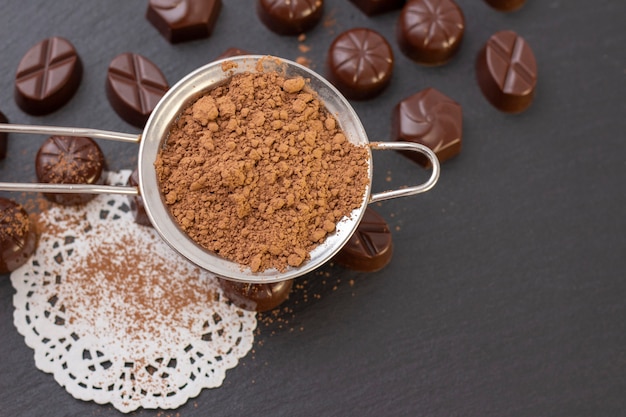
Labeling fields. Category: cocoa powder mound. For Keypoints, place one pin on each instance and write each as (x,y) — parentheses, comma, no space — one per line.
(258,171)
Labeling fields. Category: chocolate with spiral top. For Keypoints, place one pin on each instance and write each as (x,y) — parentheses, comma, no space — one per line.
(256,297)
(18,239)
(69,160)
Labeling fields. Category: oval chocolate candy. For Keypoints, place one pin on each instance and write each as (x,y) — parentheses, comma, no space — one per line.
(47,76)
(256,297)
(430,31)
(134,86)
(183,20)
(430,118)
(290,17)
(370,248)
(18,239)
(360,63)
(69,160)
(506,72)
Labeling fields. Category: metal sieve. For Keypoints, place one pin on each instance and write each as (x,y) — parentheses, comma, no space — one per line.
(155,135)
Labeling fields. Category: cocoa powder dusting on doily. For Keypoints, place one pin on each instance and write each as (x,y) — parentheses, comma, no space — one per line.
(259,172)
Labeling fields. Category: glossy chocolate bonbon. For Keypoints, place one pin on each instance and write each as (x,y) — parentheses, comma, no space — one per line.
(506,71)
(290,17)
(69,160)
(183,20)
(134,86)
(430,32)
(136,202)
(360,63)
(232,52)
(430,118)
(18,239)
(4,138)
(370,248)
(256,297)
(505,5)
(374,7)
(48,76)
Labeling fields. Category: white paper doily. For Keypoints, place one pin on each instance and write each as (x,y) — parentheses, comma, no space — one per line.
(117,317)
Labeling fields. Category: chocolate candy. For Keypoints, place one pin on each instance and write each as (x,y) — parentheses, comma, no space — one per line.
(69,160)
(136,202)
(431,119)
(47,76)
(232,52)
(360,63)
(256,297)
(18,239)
(506,71)
(370,248)
(373,7)
(183,20)
(430,31)
(3,138)
(505,5)
(134,86)
(290,17)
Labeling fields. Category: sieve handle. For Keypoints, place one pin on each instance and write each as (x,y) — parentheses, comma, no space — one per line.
(69,188)
(416,189)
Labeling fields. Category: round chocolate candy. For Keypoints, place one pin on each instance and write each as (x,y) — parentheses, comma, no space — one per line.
(47,76)
(360,63)
(256,297)
(69,160)
(3,138)
(370,248)
(290,17)
(134,86)
(430,118)
(506,72)
(18,239)
(430,31)
(136,202)
(183,20)
(505,5)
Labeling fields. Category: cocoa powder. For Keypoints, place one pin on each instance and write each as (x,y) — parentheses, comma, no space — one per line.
(258,171)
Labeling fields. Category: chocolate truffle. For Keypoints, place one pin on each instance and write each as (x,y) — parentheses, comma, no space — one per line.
(430,31)
(374,7)
(18,239)
(47,76)
(134,86)
(432,119)
(256,297)
(3,138)
(290,17)
(506,72)
(360,63)
(136,202)
(370,248)
(183,20)
(505,5)
(69,160)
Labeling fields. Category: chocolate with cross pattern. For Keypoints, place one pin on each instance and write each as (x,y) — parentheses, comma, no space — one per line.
(47,76)
(134,86)
(506,71)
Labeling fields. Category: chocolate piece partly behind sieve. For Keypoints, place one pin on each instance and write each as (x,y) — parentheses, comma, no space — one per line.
(370,248)
(505,5)
(136,202)
(506,72)
(231,52)
(48,76)
(256,297)
(183,20)
(430,118)
(374,7)
(360,63)
(290,17)
(134,86)
(18,239)
(430,31)
(4,137)
(69,160)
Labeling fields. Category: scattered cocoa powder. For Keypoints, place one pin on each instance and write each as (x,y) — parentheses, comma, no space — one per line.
(259,172)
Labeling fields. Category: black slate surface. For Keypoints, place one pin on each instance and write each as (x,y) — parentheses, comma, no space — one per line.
(507,292)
